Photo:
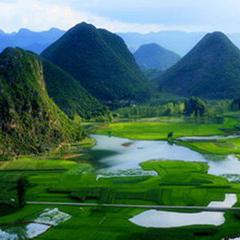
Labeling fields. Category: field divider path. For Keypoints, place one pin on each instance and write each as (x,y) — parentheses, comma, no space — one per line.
(156,207)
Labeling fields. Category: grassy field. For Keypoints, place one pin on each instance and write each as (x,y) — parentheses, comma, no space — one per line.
(159,130)
(177,183)
(66,175)
(221,147)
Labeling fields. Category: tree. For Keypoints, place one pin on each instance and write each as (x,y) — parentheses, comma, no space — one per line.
(21,191)
(235,105)
(195,107)
(170,137)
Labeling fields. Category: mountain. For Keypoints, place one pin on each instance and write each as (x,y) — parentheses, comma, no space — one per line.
(29,40)
(69,95)
(101,62)
(177,41)
(30,122)
(153,56)
(210,70)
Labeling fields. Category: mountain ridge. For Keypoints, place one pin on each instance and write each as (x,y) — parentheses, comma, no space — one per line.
(210,70)
(29,40)
(69,95)
(101,62)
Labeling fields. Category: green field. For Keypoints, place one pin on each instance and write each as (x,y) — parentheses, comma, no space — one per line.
(68,175)
(159,130)
(189,186)
(220,147)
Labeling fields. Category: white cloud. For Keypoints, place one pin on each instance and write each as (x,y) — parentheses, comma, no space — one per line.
(41,15)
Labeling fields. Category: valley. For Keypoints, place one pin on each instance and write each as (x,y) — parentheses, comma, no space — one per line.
(104,169)
(98,142)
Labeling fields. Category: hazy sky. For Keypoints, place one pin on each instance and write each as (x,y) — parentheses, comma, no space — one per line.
(122,15)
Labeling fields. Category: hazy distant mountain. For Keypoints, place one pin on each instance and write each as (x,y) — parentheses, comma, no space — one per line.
(210,70)
(29,40)
(153,56)
(177,41)
(101,62)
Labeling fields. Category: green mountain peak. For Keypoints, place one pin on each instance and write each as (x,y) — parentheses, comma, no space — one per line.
(210,70)
(101,62)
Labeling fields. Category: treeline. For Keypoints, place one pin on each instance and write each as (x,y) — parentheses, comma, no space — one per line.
(192,107)
(148,111)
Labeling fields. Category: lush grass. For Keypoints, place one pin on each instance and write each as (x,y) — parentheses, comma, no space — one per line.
(177,183)
(63,158)
(159,130)
(168,167)
(8,192)
(34,163)
(221,147)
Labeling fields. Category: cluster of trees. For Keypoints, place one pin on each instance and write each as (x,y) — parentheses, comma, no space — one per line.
(168,109)
(235,105)
(193,107)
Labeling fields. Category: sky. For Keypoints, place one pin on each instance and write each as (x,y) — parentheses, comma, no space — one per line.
(122,15)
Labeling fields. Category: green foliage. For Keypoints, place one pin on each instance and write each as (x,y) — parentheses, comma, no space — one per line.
(235,105)
(152,74)
(21,192)
(195,107)
(148,111)
(29,120)
(210,70)
(102,63)
(218,107)
(69,95)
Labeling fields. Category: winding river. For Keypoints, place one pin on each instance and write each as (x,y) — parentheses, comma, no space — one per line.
(123,155)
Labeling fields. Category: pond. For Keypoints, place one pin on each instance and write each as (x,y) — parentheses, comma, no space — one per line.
(47,219)
(164,219)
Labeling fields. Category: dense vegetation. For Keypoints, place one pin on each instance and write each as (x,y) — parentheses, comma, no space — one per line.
(169,105)
(29,120)
(153,56)
(210,70)
(150,111)
(195,107)
(101,62)
(69,95)
(235,105)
